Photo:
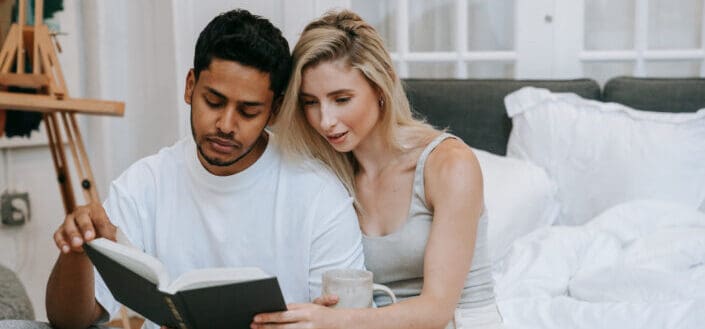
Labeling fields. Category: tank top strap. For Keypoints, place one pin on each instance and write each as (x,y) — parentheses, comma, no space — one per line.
(419,190)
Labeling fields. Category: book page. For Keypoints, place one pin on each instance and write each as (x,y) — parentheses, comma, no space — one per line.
(214,277)
(134,259)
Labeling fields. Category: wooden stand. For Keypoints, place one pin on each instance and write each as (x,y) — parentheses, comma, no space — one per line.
(34,44)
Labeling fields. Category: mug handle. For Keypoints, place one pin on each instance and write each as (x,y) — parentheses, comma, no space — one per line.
(386,290)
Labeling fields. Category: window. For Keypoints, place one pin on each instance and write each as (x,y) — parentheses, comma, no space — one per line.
(544,39)
(446,38)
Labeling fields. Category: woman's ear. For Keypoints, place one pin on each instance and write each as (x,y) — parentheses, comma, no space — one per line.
(190,86)
(380,98)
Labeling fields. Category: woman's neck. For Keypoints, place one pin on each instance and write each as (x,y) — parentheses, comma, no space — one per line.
(375,154)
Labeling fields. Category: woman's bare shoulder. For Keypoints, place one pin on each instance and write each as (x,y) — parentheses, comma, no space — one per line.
(452,168)
(450,156)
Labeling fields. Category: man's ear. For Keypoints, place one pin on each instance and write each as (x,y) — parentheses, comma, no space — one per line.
(190,86)
(276,106)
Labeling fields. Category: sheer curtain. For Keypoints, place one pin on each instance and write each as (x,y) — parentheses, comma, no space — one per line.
(116,50)
(129,56)
(140,52)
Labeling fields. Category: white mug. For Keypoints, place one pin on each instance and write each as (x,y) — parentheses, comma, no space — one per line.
(354,288)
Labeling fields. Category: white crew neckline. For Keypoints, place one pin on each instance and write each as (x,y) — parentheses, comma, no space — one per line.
(242,179)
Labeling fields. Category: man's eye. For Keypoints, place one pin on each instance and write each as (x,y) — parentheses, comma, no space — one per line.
(213,104)
(248,115)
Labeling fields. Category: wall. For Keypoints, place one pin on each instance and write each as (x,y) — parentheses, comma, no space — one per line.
(134,51)
(29,249)
(114,50)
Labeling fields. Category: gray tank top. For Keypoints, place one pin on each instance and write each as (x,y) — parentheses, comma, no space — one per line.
(397,260)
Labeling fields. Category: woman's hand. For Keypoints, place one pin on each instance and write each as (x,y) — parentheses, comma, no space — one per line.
(327,300)
(309,316)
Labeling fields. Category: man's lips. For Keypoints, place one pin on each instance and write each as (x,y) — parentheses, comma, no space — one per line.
(222,145)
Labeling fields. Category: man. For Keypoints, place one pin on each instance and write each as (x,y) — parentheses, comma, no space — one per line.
(223,197)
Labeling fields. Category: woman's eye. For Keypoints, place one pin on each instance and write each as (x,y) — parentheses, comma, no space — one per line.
(308,102)
(342,100)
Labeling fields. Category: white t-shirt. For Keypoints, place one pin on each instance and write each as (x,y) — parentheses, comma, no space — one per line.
(293,220)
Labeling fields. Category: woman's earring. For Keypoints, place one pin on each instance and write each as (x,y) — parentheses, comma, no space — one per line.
(381,102)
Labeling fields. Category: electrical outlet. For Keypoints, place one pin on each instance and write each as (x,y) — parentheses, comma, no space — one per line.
(14,208)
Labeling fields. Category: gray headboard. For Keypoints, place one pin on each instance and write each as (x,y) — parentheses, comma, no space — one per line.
(474,109)
(657,94)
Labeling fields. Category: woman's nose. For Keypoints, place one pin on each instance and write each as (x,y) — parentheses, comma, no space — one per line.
(328,117)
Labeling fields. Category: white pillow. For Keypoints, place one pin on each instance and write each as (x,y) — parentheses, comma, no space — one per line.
(602,154)
(519,198)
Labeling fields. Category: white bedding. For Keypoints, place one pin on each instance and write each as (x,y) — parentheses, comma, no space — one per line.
(640,264)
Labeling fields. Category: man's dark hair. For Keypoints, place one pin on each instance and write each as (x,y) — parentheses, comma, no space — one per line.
(248,39)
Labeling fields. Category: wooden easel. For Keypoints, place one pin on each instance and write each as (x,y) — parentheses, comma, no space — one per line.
(33,43)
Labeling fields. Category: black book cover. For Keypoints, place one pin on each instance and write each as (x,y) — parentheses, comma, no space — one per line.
(231,305)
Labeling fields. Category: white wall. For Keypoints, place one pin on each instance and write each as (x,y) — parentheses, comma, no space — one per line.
(29,249)
(134,51)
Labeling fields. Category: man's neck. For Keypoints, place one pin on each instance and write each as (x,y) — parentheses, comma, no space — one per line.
(241,164)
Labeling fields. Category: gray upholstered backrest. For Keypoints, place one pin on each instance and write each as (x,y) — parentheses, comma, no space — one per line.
(14,302)
(474,109)
(657,94)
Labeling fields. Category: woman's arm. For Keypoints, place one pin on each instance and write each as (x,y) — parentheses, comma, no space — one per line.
(454,193)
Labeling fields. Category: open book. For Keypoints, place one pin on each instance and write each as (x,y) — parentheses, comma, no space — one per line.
(204,298)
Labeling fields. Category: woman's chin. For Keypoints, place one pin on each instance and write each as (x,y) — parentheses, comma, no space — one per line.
(342,147)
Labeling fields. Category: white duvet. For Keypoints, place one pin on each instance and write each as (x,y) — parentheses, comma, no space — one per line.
(638,265)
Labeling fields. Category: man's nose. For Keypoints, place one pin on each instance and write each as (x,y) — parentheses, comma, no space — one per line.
(227,123)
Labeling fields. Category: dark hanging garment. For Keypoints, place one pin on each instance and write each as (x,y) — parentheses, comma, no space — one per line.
(3,116)
(22,123)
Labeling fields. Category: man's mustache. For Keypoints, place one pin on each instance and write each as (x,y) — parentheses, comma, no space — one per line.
(230,138)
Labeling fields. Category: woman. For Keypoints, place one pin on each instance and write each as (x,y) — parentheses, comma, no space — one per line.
(418,191)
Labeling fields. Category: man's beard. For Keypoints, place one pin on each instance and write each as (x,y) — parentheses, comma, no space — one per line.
(217,162)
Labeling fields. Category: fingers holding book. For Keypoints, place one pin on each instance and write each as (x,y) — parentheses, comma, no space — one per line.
(326,300)
(84,224)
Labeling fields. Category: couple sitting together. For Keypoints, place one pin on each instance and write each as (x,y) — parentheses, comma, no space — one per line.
(344,177)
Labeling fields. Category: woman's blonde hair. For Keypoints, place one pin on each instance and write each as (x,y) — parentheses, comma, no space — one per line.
(343,35)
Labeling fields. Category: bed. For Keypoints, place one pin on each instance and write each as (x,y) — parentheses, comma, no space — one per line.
(596,196)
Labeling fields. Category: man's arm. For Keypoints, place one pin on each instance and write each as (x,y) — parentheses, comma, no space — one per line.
(70,295)
(337,240)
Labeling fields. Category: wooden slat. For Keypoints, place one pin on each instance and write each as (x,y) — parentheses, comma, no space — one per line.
(56,145)
(9,50)
(38,21)
(34,81)
(77,163)
(43,103)
(38,12)
(84,158)
(50,64)
(20,36)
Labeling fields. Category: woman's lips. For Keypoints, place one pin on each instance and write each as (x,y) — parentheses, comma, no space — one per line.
(337,138)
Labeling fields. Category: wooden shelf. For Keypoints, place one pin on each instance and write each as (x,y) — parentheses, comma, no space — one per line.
(48,104)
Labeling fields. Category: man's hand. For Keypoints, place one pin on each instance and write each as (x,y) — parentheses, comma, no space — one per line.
(84,224)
